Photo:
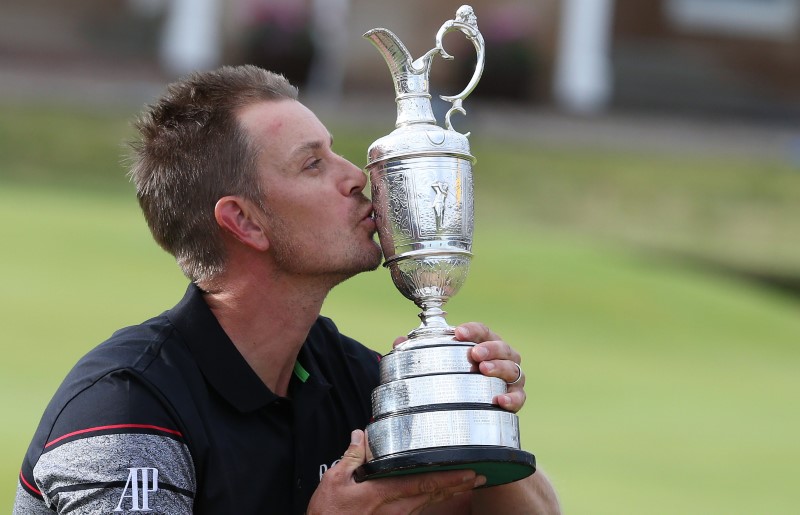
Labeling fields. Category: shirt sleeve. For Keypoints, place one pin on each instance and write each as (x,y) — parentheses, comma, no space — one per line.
(114,447)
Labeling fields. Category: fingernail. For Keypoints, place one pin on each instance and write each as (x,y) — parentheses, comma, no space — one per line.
(506,400)
(482,352)
(464,333)
(488,366)
(480,481)
(356,437)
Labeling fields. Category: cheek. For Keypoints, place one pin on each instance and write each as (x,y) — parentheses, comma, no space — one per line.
(316,224)
(328,214)
(314,214)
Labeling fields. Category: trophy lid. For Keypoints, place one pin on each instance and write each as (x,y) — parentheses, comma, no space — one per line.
(418,141)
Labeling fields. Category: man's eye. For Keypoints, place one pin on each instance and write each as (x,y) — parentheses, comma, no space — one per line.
(314,164)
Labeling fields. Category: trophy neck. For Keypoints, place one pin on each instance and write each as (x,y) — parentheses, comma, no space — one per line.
(433,320)
(412,94)
(414,108)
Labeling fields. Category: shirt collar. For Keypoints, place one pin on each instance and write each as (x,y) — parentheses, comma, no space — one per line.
(309,392)
(220,362)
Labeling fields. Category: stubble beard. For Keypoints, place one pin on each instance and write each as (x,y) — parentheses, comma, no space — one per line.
(293,258)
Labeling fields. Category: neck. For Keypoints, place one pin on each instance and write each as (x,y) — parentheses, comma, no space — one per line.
(267,319)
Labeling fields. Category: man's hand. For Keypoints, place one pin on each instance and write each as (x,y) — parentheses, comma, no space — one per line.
(339,493)
(495,358)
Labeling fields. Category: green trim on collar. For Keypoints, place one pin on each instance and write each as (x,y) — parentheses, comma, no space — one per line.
(301,373)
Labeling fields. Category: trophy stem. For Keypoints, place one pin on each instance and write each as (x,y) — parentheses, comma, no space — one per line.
(433,320)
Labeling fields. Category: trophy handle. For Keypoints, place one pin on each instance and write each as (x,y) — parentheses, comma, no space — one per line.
(467,23)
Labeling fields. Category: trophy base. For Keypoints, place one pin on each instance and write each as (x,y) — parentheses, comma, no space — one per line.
(500,465)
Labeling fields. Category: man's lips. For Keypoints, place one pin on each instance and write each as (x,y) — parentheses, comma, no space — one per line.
(368,219)
(370,214)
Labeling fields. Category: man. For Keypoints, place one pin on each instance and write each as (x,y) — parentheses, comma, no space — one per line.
(241,399)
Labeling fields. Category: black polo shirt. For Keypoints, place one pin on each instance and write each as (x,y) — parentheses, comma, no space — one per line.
(167,416)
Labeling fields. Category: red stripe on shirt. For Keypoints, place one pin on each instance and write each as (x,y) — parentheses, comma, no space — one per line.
(115,426)
(33,488)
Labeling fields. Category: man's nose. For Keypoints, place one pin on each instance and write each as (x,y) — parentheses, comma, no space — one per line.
(355,178)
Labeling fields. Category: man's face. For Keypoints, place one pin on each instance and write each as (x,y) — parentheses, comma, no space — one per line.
(318,219)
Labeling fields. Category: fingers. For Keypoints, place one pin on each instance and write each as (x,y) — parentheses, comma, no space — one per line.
(427,488)
(475,332)
(496,358)
(513,400)
(339,493)
(497,350)
(399,340)
(447,501)
(354,456)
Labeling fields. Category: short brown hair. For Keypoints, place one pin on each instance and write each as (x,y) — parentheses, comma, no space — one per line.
(191,152)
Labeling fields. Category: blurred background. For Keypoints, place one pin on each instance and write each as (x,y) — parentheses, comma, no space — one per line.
(638,212)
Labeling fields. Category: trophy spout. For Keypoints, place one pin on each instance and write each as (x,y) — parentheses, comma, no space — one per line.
(392,49)
(410,78)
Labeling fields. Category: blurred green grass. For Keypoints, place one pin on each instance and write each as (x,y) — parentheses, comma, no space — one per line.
(655,386)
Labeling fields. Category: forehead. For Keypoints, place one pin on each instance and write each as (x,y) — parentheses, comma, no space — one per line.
(280,126)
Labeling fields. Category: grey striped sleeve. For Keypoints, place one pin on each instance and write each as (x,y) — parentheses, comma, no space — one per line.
(116,473)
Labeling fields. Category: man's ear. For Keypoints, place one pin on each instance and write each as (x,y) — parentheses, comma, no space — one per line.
(242,220)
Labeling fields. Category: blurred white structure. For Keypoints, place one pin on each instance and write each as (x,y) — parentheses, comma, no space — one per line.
(771,19)
(192,39)
(329,31)
(583,79)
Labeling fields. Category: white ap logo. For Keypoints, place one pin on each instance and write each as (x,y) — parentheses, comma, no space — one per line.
(141,483)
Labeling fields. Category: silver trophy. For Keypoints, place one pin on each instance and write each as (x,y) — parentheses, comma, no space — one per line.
(433,410)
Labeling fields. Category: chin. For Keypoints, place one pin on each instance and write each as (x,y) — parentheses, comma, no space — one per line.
(370,263)
(377,258)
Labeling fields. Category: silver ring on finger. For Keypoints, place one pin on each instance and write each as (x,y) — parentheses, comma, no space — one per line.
(519,369)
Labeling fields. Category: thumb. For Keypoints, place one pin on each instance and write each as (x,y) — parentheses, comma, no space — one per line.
(356,453)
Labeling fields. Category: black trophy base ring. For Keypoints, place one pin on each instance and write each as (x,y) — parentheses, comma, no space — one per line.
(500,465)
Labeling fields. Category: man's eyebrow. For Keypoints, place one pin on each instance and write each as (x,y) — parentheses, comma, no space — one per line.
(310,145)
